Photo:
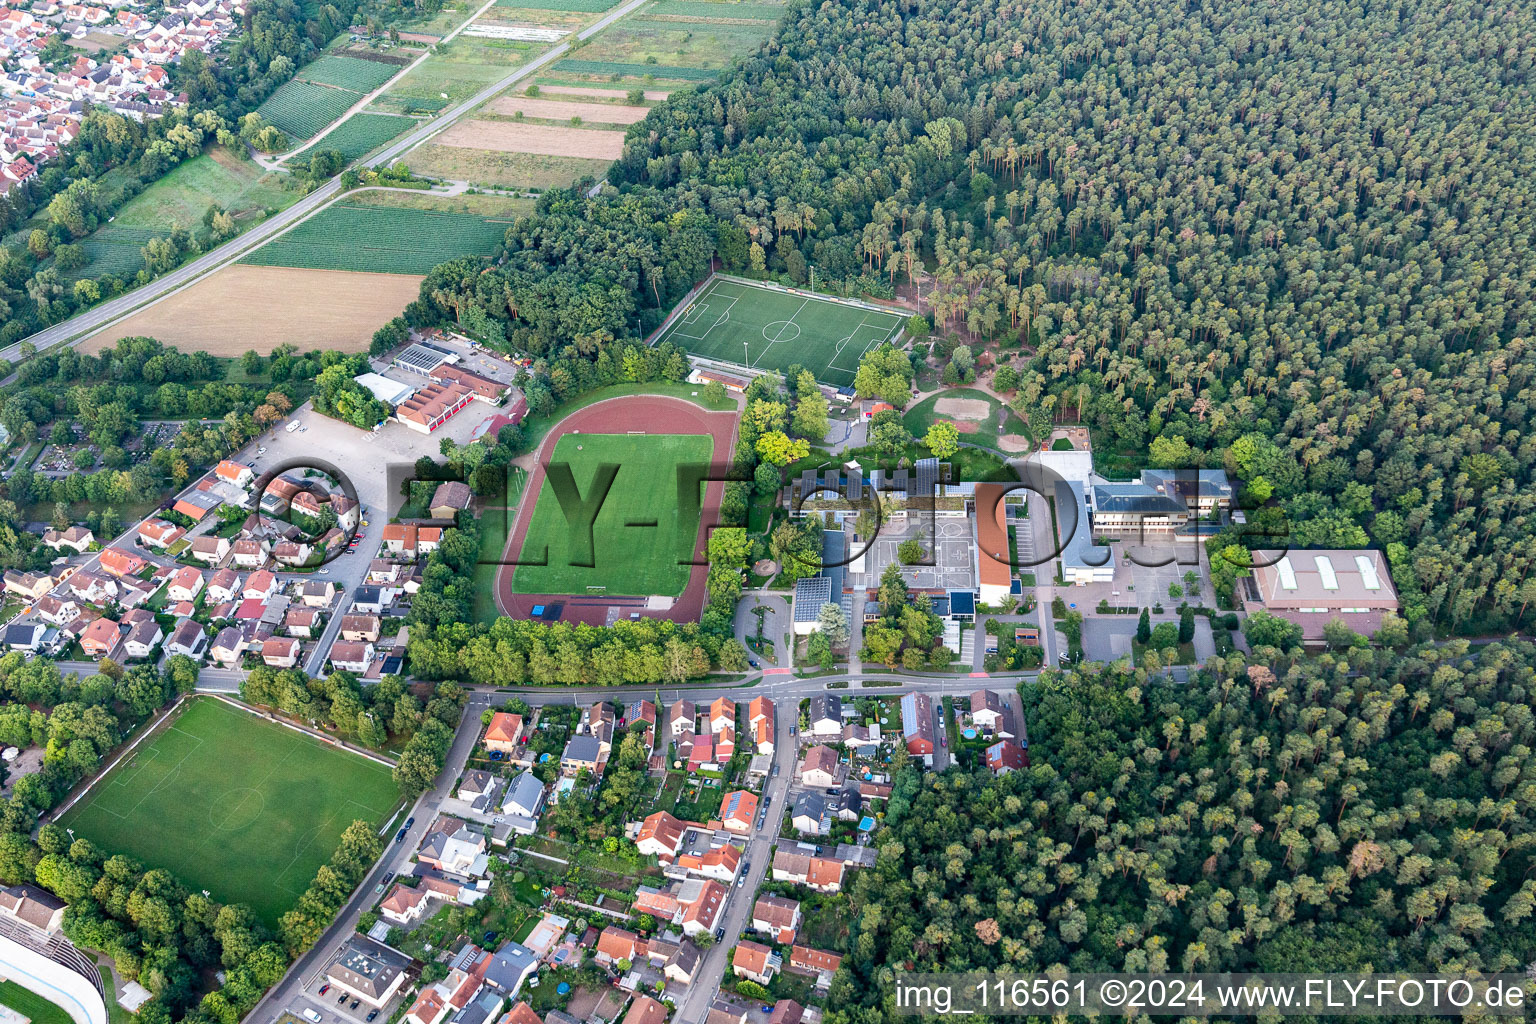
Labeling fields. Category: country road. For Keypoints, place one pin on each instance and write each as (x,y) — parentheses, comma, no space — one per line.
(113,310)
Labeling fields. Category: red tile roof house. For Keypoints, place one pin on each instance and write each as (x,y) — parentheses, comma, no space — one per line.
(504,731)
(224,585)
(1006,756)
(661,835)
(300,621)
(260,585)
(185,585)
(701,912)
(121,563)
(755,961)
(360,628)
(209,549)
(645,1010)
(234,473)
(100,637)
(157,533)
(249,554)
(807,959)
(616,944)
(737,810)
(776,917)
(280,653)
(522,1013)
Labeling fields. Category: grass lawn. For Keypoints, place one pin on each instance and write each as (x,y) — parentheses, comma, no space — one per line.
(28,1003)
(493,207)
(698,44)
(774,330)
(494,524)
(640,539)
(244,808)
(503,170)
(186,191)
(982,430)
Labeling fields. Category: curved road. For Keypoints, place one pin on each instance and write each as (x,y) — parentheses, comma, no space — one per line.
(109,312)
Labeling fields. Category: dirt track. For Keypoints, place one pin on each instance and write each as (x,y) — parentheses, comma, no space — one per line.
(617,416)
(544,140)
(564,110)
(239,308)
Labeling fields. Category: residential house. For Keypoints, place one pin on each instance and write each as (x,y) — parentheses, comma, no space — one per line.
(645,1010)
(430,1007)
(259,586)
(459,852)
(92,587)
(318,593)
(504,732)
(525,796)
(849,805)
(368,970)
(186,583)
(480,789)
(26,638)
(59,611)
(760,719)
(28,585)
(720,862)
(641,715)
(301,622)
(755,961)
(681,718)
(582,752)
(228,646)
(400,539)
(917,726)
(723,1011)
(223,586)
(786,1011)
(157,533)
(350,657)
(509,967)
(280,653)
(683,964)
(188,638)
(211,550)
(722,714)
(776,917)
(824,718)
(1006,756)
(661,835)
(738,809)
(142,638)
(809,812)
(371,600)
(405,905)
(819,766)
(100,638)
(820,873)
(121,563)
(234,473)
(196,505)
(76,539)
(702,900)
(360,628)
(805,958)
(521,1013)
(450,498)
(615,944)
(428,539)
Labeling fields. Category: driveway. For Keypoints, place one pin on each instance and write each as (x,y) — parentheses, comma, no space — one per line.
(776,623)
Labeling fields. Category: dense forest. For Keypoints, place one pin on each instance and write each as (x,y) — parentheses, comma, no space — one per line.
(1360,812)
(1181,222)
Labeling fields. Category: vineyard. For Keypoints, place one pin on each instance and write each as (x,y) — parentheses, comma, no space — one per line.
(114,252)
(347,236)
(577,6)
(363,133)
(609,67)
(347,73)
(300,109)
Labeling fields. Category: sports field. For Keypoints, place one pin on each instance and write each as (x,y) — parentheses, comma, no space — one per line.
(774,330)
(29,1004)
(628,557)
(227,802)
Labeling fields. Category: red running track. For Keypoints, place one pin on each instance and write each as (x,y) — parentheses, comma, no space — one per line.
(654,414)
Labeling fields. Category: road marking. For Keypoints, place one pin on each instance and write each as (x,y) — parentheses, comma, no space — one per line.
(777,671)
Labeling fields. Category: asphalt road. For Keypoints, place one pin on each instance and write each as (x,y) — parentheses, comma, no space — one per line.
(98,317)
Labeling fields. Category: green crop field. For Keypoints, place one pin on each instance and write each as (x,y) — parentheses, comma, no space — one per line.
(580,6)
(348,236)
(626,559)
(608,67)
(114,252)
(347,72)
(362,133)
(29,1004)
(227,802)
(301,109)
(774,330)
(706,9)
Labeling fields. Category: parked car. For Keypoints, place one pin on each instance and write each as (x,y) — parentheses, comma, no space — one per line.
(341,999)
(775,771)
(400,836)
(325,988)
(719,934)
(371,1014)
(353,1004)
(410,821)
(311,1016)
(752,663)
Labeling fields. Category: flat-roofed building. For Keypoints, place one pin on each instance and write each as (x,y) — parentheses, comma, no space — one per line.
(433,406)
(1082,562)
(1313,588)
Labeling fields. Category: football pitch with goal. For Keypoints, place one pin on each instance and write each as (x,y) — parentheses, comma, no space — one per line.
(231,803)
(773,330)
(641,540)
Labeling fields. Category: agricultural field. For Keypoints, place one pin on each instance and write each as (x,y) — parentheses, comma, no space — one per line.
(539,139)
(705,10)
(352,236)
(363,132)
(300,109)
(581,6)
(241,308)
(504,170)
(486,204)
(455,72)
(629,560)
(351,73)
(611,69)
(564,110)
(113,252)
(214,798)
(555,87)
(731,320)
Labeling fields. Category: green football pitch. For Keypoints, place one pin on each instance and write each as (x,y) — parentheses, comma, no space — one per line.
(772,330)
(227,802)
(642,538)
